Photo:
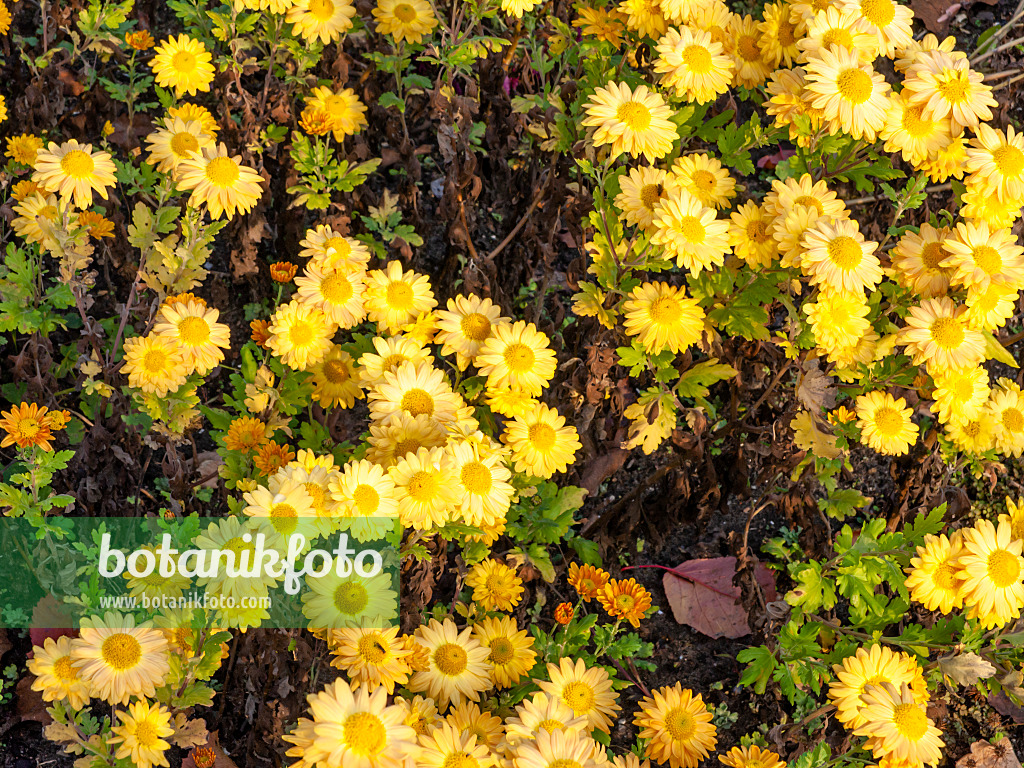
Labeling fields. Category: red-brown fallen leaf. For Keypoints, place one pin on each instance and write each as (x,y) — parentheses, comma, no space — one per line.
(702,595)
(937,14)
(29,704)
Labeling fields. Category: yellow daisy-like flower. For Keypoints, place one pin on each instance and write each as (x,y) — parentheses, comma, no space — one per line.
(602,24)
(425,489)
(541,442)
(788,194)
(559,749)
(58,677)
(517,357)
(539,713)
(332,250)
(751,757)
(750,68)
(338,293)
(705,178)
(991,567)
(420,712)
(750,235)
(898,727)
(314,479)
(689,232)
(219,180)
(838,320)
(919,50)
(910,133)
(989,309)
(335,602)
(661,316)
(483,483)
(890,22)
(390,354)
(934,575)
(371,657)
(155,364)
(184,64)
(175,140)
(1014,517)
(947,162)
(245,434)
(918,258)
(646,16)
(835,28)
(640,191)
(404,19)
(679,727)
(630,121)
(417,390)
(280,513)
(348,117)
(715,18)
(948,87)
(468,718)
(1006,407)
(119,659)
(936,333)
(981,256)
(23,149)
(779,34)
(871,667)
(510,649)
(363,493)
(446,746)
(458,667)
(37,215)
(335,380)
(979,206)
(323,20)
(395,298)
(588,580)
(885,423)
(495,585)
(587,692)
(849,93)
(974,436)
(26,425)
(960,394)
(141,734)
(838,258)
(625,599)
(995,161)
(693,64)
(300,335)
(74,171)
(194,328)
(188,112)
(392,439)
(517,8)
(464,327)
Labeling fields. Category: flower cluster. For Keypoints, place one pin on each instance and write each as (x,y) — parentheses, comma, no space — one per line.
(31,426)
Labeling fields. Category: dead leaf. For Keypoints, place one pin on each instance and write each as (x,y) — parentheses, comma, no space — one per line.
(29,704)
(986,755)
(966,668)
(189,733)
(809,437)
(816,390)
(703,596)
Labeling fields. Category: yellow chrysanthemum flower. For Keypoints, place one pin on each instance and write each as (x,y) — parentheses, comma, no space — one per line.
(510,649)
(779,35)
(141,734)
(338,293)
(219,180)
(365,499)
(323,20)
(194,328)
(463,328)
(960,394)
(415,389)
(175,140)
(705,178)
(910,133)
(404,19)
(155,364)
(948,87)
(625,599)
(184,64)
(468,718)
(750,235)
(1006,406)
(934,575)
(425,489)
(189,112)
(348,117)
(1014,517)
(335,380)
(458,667)
(918,257)
(395,298)
(586,691)
(750,68)
(601,23)
(647,16)
(693,64)
(981,256)
(559,749)
(517,357)
(679,727)
(838,320)
(866,667)
(837,257)
(936,333)
(751,757)
(689,232)
(483,483)
(539,713)
(447,745)
(974,436)
(890,22)
(995,160)
(640,191)
(630,121)
(58,676)
(371,657)
(278,514)
(989,309)
(541,442)
(74,171)
(885,423)
(835,28)
(916,50)
(897,726)
(495,585)
(979,206)
(300,335)
(849,93)
(119,659)
(662,316)
(390,354)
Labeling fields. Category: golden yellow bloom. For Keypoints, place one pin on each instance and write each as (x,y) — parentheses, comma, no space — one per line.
(865,668)
(838,28)
(189,112)
(323,20)
(219,180)
(645,16)
(463,328)
(415,389)
(395,298)
(989,309)
(885,423)
(196,332)
(995,161)
(244,434)
(933,577)
(661,316)
(779,34)
(750,68)
(141,733)
(541,442)
(898,726)
(495,585)
(482,482)
(751,757)
(960,394)
(348,117)
(689,232)
(57,675)
(678,725)
(315,121)
(919,50)
(839,321)
(140,40)
(705,178)
(404,19)
(890,21)
(918,259)
(300,335)
(625,599)
(981,256)
(849,93)
(998,214)
(371,657)
(155,364)
(363,490)
(119,659)
(425,488)
(336,380)
(24,148)
(602,24)
(586,691)
(23,189)
(636,122)
(838,258)
(271,456)
(97,225)
(696,66)
(73,171)
(558,749)
(909,132)
(750,235)
(948,87)
(174,141)
(936,333)
(459,668)
(517,357)
(5,24)
(588,580)
(184,64)
(510,649)
(974,436)
(1006,406)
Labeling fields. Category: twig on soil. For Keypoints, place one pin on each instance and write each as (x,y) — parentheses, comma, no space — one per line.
(609,510)
(877,198)
(522,222)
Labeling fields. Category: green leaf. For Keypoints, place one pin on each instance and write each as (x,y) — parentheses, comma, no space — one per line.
(695,381)
(761,663)
(841,504)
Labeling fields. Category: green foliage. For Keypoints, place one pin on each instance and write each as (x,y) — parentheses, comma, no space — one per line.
(27,306)
(321,173)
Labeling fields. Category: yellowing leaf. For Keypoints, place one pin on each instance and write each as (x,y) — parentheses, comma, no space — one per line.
(808,437)
(966,668)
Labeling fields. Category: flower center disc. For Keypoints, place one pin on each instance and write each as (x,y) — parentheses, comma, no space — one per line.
(77,164)
(121,651)
(636,116)
(222,171)
(855,85)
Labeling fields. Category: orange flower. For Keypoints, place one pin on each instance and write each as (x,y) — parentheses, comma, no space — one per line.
(270,457)
(419,658)
(26,425)
(563,613)
(140,40)
(98,225)
(260,331)
(588,581)
(24,189)
(203,757)
(57,420)
(315,121)
(283,271)
(244,434)
(184,298)
(625,600)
